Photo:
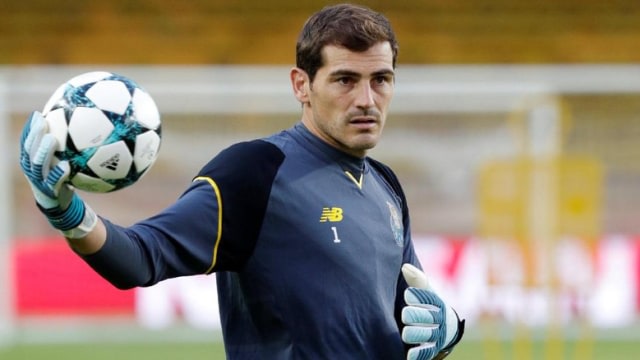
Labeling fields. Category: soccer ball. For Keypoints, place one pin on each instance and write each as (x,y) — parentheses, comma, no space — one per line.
(107,127)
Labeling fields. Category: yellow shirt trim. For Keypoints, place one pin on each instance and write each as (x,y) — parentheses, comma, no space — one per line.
(219,236)
(358,182)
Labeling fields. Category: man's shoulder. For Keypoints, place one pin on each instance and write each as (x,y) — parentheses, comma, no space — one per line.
(245,158)
(251,149)
(388,175)
(382,168)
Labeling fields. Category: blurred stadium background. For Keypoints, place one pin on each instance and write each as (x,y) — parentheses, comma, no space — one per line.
(515,131)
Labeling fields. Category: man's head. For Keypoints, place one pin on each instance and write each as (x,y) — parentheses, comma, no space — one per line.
(344,76)
(353,27)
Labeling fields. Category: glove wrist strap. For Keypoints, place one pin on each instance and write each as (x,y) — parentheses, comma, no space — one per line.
(69,218)
(89,222)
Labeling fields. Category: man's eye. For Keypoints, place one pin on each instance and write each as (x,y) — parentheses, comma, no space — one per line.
(381,79)
(344,80)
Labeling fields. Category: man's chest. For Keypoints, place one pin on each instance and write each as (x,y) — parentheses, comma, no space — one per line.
(329,216)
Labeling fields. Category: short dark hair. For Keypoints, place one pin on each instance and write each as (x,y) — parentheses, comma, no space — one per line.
(354,27)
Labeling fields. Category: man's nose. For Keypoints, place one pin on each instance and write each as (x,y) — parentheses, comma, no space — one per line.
(364,98)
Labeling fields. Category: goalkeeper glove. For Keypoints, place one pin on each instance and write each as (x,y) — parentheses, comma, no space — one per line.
(430,324)
(54,197)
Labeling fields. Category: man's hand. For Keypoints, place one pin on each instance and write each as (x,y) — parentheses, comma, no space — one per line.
(429,323)
(58,202)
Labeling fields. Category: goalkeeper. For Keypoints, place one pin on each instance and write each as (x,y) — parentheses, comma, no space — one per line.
(308,236)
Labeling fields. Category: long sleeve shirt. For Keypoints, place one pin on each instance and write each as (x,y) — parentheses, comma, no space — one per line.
(306,242)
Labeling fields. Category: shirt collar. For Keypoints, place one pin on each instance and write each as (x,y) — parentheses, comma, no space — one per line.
(350,163)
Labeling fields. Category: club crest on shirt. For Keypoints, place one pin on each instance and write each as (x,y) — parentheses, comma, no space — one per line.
(396,224)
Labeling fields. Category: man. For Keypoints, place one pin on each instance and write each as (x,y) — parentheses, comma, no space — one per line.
(307,235)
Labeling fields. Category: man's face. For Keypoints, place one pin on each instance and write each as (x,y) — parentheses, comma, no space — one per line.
(347,103)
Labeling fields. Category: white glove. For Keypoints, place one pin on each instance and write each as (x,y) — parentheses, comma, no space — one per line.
(55,198)
(429,323)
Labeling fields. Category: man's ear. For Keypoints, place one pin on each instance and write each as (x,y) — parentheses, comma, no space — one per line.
(300,84)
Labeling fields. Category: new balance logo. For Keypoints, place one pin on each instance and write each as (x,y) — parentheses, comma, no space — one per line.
(333,214)
(111,163)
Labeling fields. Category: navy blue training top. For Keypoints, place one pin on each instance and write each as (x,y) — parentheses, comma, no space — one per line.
(307,243)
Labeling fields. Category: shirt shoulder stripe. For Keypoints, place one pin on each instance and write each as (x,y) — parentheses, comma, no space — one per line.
(219,232)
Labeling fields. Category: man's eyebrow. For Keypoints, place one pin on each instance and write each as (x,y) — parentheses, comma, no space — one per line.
(385,72)
(344,72)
